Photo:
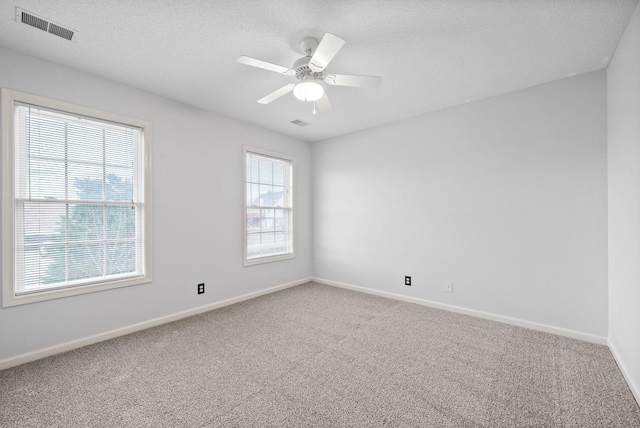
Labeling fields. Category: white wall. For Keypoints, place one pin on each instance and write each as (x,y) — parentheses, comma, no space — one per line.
(623,88)
(505,197)
(197,211)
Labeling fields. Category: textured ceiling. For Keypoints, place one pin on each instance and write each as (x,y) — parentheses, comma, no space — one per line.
(430,54)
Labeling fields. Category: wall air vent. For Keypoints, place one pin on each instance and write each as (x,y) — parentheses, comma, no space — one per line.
(45,25)
(300,123)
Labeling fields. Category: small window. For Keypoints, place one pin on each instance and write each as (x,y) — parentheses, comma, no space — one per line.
(269,207)
(76,200)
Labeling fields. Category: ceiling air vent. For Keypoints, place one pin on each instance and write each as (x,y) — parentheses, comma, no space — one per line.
(44,24)
(299,123)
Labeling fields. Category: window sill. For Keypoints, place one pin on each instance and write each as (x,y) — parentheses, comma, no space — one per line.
(40,296)
(269,259)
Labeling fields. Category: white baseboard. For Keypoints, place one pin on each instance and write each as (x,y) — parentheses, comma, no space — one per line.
(74,344)
(472,312)
(68,346)
(635,389)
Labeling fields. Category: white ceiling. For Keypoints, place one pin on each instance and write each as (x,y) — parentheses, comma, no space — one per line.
(430,54)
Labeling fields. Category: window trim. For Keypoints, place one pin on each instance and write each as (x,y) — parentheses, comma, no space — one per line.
(8,99)
(276,258)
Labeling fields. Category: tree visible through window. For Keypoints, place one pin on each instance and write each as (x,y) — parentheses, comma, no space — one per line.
(79,188)
(87,223)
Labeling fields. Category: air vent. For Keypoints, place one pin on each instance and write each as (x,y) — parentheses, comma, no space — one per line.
(300,123)
(34,21)
(65,33)
(44,24)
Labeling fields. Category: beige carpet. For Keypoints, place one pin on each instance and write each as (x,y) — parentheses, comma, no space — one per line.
(318,356)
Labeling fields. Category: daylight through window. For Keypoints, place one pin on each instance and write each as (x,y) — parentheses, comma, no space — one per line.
(78,201)
(268,206)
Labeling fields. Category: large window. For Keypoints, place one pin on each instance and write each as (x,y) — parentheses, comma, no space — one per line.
(76,199)
(268,213)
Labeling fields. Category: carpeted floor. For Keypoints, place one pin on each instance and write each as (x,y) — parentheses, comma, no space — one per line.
(318,356)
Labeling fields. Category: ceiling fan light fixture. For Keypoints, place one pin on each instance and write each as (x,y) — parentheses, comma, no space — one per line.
(308,90)
(311,72)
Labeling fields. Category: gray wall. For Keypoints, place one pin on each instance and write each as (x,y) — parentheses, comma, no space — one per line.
(197,211)
(623,80)
(505,197)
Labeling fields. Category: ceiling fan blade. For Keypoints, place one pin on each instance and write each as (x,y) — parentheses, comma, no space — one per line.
(326,50)
(277,94)
(351,80)
(323,103)
(266,65)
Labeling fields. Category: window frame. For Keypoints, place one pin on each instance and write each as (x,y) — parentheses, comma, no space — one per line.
(292,223)
(9,98)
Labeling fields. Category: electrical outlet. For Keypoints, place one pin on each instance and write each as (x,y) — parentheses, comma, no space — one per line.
(407,281)
(201,288)
(448,287)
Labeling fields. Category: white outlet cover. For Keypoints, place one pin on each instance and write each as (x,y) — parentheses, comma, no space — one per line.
(448,287)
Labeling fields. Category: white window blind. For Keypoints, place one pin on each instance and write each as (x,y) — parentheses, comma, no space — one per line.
(78,200)
(268,207)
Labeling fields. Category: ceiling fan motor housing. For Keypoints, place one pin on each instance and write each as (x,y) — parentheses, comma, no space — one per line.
(303,72)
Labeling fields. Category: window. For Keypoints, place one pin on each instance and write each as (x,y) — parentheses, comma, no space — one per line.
(76,199)
(268,213)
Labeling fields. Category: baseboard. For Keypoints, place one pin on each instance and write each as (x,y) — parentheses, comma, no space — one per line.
(68,346)
(635,389)
(472,312)
(74,344)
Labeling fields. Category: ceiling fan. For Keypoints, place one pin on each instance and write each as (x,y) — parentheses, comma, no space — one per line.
(310,71)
